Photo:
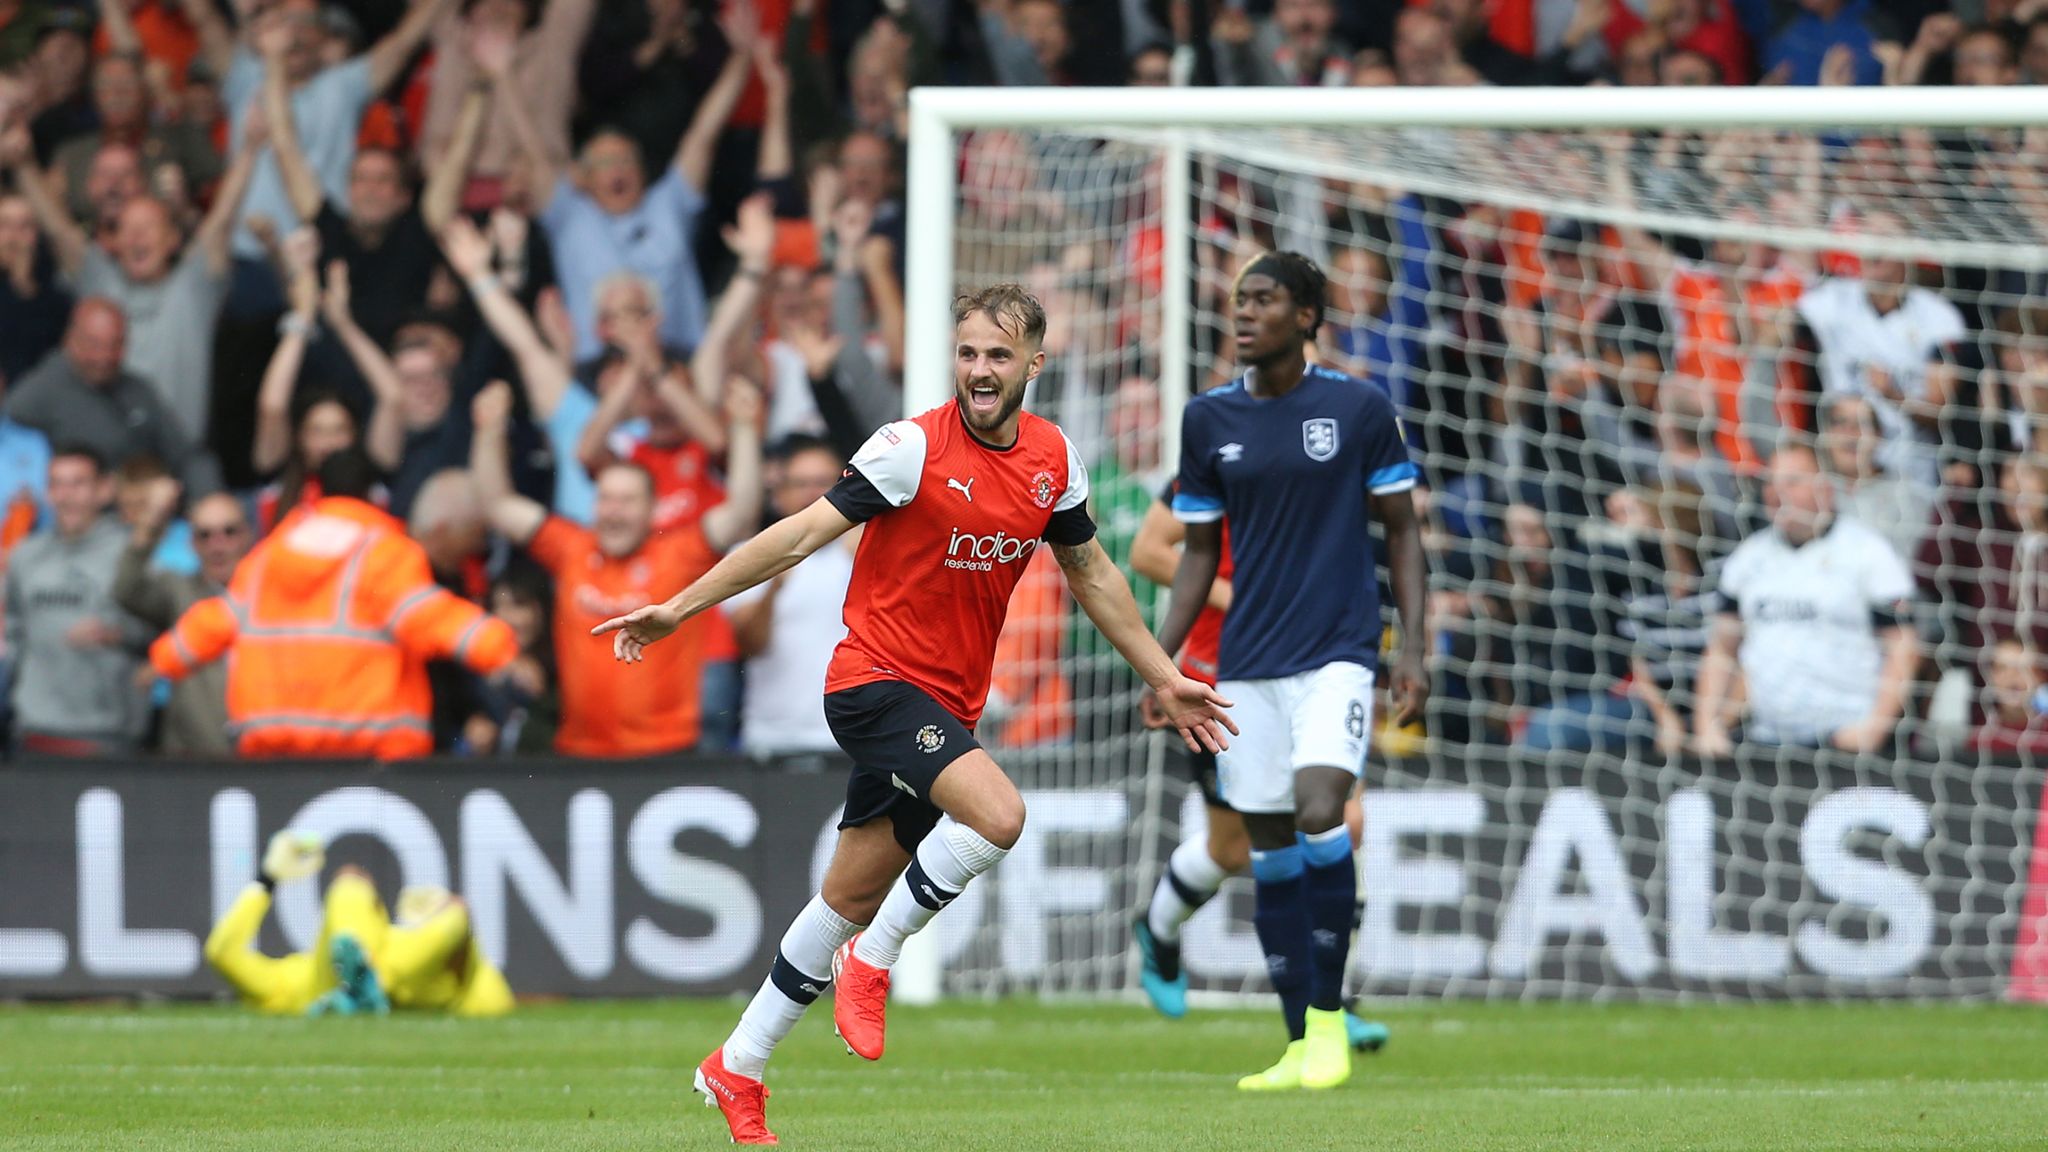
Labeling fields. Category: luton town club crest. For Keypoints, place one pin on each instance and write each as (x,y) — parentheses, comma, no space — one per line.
(1042,489)
(930,739)
(1319,438)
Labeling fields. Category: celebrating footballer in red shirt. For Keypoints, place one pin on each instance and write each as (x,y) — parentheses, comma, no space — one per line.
(956,502)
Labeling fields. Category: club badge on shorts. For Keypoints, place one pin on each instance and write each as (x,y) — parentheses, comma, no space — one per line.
(930,739)
(1319,438)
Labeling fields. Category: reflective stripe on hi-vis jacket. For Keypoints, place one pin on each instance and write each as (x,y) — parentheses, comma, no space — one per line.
(329,624)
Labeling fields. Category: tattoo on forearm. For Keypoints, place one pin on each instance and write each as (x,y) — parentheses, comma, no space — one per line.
(1073,557)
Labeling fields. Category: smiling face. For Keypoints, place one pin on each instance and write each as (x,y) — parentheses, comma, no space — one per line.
(145,240)
(864,165)
(220,534)
(625,509)
(79,493)
(991,367)
(112,180)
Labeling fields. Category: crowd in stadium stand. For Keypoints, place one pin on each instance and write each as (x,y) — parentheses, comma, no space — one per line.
(242,238)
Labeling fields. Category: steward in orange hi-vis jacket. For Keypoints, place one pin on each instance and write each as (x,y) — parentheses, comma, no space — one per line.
(329,624)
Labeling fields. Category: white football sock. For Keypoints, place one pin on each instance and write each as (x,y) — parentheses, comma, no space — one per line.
(1192,876)
(951,856)
(803,970)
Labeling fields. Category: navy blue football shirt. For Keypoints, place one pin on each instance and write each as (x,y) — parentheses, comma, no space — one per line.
(1295,475)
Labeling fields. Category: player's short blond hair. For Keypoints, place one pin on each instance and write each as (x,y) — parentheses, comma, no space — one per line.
(1017,312)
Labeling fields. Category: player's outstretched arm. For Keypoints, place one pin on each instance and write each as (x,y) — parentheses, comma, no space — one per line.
(1408,567)
(780,547)
(1201,554)
(1192,706)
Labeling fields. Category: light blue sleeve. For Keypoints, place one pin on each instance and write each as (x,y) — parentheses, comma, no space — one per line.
(243,81)
(343,90)
(674,195)
(575,495)
(1388,466)
(562,208)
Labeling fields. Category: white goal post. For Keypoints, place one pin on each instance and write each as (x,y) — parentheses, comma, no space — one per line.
(1507,866)
(939,115)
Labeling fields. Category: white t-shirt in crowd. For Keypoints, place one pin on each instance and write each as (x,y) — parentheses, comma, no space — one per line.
(1853,337)
(784,710)
(1810,618)
(791,407)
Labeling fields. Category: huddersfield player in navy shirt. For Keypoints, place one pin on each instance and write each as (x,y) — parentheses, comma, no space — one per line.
(1301,459)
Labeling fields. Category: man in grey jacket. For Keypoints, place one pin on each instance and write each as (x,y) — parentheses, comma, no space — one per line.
(80,394)
(75,652)
(196,722)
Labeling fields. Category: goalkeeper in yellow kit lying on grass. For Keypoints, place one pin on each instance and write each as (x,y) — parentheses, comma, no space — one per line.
(363,963)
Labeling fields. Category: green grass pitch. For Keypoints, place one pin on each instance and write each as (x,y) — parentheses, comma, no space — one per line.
(1020,1075)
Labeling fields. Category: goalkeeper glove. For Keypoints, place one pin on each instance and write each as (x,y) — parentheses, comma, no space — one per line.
(293,855)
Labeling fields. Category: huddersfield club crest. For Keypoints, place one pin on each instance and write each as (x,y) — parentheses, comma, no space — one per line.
(1319,438)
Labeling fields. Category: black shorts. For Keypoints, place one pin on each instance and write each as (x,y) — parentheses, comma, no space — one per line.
(900,740)
(1201,767)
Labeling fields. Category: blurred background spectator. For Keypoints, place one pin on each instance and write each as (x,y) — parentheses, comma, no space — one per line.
(74,651)
(195,714)
(241,239)
(788,627)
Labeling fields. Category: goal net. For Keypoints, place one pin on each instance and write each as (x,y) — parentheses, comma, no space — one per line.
(1600,316)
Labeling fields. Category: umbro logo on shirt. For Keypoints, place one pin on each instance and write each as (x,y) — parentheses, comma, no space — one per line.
(1231,453)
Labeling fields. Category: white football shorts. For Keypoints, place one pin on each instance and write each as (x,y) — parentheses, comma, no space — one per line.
(1321,718)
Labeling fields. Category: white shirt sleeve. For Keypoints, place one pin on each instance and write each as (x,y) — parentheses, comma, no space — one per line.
(1077,479)
(1886,579)
(893,461)
(1735,573)
(1943,320)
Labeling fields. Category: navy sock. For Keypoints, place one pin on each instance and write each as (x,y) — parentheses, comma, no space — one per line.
(1281,916)
(1329,885)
